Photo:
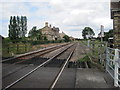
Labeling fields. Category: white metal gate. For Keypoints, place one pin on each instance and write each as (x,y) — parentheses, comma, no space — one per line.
(113,64)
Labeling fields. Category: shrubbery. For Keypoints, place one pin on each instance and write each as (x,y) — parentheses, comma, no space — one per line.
(45,42)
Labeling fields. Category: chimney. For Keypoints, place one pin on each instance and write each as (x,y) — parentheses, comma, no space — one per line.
(46,24)
(50,25)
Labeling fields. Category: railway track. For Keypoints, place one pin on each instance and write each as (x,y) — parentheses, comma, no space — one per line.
(33,53)
(61,71)
(38,66)
(13,65)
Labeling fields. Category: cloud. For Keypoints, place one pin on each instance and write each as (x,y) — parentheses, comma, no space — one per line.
(71,17)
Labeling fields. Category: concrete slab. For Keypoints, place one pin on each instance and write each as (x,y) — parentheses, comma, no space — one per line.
(90,78)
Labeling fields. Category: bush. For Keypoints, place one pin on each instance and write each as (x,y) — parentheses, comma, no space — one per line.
(84,59)
(45,42)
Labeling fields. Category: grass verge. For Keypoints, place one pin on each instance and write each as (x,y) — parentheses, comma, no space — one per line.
(84,59)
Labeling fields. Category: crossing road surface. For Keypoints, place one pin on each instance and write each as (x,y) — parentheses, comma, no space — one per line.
(92,78)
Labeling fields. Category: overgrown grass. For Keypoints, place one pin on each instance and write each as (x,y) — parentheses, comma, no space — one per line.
(84,59)
(12,49)
(95,49)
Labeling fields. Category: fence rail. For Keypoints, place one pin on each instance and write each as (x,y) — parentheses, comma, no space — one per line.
(98,49)
(109,58)
(12,48)
(113,64)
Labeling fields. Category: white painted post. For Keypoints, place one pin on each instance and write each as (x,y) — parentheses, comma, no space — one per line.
(106,59)
(88,43)
(116,68)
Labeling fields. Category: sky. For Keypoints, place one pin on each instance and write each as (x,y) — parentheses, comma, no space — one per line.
(70,16)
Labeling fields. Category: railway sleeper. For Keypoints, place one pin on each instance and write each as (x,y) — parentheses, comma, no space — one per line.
(55,63)
(12,61)
(86,64)
(35,61)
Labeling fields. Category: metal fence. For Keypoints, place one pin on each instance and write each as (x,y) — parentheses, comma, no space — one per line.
(109,58)
(113,64)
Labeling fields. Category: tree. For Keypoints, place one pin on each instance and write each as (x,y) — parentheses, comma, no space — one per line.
(13,31)
(17,28)
(10,29)
(87,33)
(34,34)
(23,26)
(108,34)
(39,34)
(66,38)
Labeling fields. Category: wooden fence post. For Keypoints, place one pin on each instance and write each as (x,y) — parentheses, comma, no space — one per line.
(17,47)
(8,49)
(25,47)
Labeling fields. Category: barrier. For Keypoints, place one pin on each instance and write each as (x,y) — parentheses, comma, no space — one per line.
(113,64)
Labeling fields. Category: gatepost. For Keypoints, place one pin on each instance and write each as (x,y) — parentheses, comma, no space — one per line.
(116,68)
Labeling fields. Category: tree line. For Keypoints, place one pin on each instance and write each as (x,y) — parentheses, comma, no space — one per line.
(108,34)
(88,33)
(35,34)
(17,28)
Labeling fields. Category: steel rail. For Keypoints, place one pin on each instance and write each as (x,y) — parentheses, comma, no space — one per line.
(34,56)
(33,52)
(27,60)
(61,70)
(18,80)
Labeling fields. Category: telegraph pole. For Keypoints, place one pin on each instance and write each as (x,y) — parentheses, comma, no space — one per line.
(102,32)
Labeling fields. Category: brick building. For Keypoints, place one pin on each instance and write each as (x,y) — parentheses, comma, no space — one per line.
(62,35)
(115,15)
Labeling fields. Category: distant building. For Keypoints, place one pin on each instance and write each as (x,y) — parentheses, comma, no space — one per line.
(72,38)
(115,15)
(50,33)
(62,35)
